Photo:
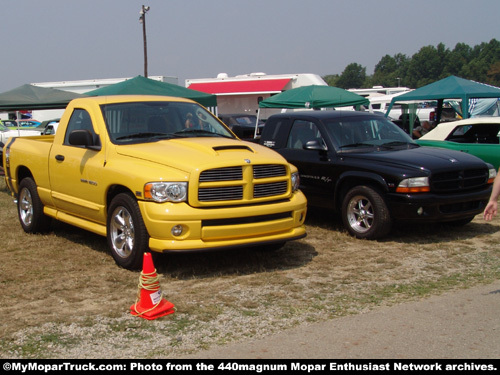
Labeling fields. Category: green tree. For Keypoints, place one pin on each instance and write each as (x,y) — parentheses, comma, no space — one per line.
(494,74)
(331,79)
(456,59)
(426,65)
(353,76)
(484,56)
(480,63)
(391,71)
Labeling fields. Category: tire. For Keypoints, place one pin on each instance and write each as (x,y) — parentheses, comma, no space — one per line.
(365,214)
(127,236)
(30,208)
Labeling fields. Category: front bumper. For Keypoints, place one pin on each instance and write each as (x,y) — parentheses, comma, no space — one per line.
(437,208)
(226,227)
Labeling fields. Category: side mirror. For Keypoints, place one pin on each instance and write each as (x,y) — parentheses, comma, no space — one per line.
(315,145)
(82,138)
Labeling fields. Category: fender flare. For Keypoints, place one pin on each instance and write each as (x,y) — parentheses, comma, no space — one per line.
(358,178)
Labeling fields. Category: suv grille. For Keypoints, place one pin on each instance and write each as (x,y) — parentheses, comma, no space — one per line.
(459,180)
(243,183)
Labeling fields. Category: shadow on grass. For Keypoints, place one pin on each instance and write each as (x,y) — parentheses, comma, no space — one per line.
(203,264)
(407,233)
(242,261)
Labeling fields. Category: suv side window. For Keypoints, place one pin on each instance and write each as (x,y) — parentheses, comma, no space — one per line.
(302,132)
(80,120)
(274,133)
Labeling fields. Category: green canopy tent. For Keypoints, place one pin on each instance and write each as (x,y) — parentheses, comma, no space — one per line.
(145,86)
(29,97)
(451,87)
(312,97)
(315,97)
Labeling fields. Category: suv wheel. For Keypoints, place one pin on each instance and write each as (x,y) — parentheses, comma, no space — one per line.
(365,214)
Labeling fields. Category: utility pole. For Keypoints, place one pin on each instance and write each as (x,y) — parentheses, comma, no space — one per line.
(142,19)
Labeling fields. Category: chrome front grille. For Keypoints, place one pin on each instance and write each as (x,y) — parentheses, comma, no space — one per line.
(243,183)
(229,193)
(269,190)
(222,174)
(263,171)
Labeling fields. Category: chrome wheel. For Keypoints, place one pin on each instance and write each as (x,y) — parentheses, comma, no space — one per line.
(26,207)
(30,208)
(365,214)
(122,233)
(127,236)
(360,214)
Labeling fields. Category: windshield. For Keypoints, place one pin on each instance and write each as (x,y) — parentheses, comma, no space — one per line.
(369,132)
(139,122)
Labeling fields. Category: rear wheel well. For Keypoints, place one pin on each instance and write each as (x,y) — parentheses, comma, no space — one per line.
(22,173)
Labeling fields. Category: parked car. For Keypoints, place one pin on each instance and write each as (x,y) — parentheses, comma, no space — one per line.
(22,123)
(242,124)
(365,168)
(478,136)
(48,127)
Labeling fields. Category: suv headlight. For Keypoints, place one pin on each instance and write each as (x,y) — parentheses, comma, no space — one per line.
(166,191)
(295,181)
(492,175)
(414,185)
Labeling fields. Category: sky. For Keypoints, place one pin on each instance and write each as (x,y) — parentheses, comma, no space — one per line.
(61,40)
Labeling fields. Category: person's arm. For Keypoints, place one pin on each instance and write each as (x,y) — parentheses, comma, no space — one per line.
(491,208)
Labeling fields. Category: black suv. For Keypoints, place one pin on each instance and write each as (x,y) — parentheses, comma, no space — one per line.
(365,167)
(242,124)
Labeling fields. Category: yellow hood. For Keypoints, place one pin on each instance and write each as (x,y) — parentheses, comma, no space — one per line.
(193,153)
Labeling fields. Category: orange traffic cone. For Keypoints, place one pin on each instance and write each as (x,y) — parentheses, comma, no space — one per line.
(150,303)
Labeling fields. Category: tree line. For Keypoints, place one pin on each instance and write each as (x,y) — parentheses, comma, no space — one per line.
(480,63)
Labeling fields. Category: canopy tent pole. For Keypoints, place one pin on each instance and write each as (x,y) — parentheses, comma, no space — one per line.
(18,114)
(439,110)
(256,124)
(465,107)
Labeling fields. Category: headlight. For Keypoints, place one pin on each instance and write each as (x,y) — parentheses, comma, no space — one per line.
(414,185)
(492,175)
(295,181)
(166,191)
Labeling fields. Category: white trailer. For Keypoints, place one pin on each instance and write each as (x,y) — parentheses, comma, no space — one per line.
(243,93)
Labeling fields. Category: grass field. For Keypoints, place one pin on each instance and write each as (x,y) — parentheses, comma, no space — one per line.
(64,297)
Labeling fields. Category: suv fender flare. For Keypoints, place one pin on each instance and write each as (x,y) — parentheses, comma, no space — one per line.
(350,179)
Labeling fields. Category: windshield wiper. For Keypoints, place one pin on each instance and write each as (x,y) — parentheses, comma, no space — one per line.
(359,144)
(399,143)
(200,132)
(144,135)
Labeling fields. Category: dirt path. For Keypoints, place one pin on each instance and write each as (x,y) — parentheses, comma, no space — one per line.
(464,324)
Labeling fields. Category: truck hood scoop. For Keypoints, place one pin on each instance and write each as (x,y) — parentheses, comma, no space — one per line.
(232,147)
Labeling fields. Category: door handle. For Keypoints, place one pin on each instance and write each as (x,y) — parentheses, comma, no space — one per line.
(60,157)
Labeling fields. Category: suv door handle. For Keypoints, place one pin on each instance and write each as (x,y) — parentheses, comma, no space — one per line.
(60,157)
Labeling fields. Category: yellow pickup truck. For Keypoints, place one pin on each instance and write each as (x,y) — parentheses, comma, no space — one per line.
(157,173)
